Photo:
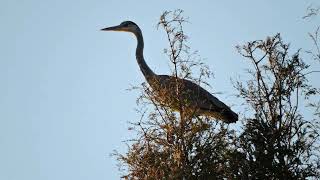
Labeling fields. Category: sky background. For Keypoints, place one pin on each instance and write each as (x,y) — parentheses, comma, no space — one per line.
(64,106)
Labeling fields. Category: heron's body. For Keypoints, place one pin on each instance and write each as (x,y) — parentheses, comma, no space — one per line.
(174,92)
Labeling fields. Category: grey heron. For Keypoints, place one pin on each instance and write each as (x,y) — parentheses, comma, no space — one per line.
(195,98)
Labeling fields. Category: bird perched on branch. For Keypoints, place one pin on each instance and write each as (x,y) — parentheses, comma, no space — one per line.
(177,93)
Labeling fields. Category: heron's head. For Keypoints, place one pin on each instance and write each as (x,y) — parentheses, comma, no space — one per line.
(126,26)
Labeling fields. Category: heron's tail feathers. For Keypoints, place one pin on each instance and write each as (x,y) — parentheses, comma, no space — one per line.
(229,116)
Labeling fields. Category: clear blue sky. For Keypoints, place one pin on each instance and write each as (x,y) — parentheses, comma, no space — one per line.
(63,101)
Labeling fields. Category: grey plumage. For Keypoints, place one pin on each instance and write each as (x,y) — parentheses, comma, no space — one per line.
(195,99)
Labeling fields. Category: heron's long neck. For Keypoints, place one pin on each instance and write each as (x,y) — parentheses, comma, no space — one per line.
(147,72)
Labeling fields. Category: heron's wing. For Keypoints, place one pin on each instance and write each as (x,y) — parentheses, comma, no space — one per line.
(205,95)
(198,96)
(217,108)
(197,93)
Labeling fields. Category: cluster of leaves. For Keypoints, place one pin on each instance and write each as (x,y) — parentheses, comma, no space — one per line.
(277,142)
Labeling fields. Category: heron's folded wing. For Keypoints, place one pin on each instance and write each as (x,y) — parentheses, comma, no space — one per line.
(206,95)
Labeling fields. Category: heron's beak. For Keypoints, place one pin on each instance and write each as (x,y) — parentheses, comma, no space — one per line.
(113,28)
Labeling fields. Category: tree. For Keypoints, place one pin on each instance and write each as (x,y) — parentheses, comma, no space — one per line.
(277,142)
